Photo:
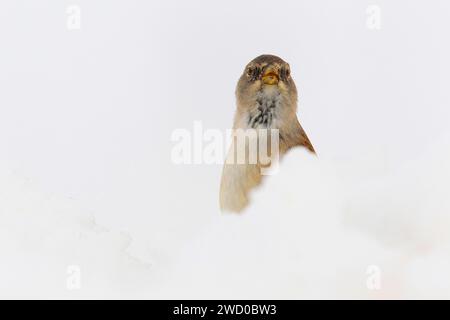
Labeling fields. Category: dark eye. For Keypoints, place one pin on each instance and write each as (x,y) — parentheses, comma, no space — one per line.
(250,71)
(287,72)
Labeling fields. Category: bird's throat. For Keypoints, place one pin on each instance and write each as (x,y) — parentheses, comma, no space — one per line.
(265,111)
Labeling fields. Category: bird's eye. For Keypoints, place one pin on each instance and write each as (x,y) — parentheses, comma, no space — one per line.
(288,72)
(250,71)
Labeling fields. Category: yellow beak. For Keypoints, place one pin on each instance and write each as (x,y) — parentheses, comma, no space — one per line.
(270,77)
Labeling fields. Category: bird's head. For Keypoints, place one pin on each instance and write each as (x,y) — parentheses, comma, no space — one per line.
(266,75)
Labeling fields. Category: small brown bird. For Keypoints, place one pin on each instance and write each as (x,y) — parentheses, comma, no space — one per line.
(266,98)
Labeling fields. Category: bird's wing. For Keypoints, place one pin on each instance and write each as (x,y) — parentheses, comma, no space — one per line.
(305,141)
(295,136)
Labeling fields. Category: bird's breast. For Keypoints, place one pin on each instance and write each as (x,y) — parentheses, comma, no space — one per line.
(264,113)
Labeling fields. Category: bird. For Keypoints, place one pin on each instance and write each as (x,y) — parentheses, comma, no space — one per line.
(266,99)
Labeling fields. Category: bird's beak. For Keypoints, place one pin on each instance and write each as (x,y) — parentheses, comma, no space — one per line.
(270,76)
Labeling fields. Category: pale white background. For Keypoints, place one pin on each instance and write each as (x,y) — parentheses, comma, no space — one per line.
(86,118)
